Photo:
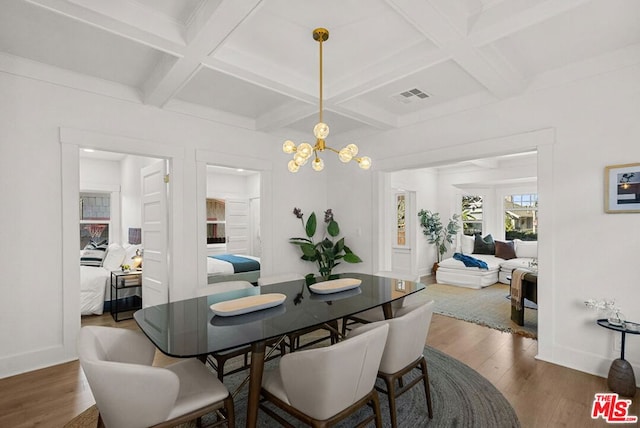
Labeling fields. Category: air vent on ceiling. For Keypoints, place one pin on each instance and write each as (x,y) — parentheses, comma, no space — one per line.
(410,95)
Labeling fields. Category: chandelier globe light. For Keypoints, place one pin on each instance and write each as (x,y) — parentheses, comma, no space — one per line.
(304,151)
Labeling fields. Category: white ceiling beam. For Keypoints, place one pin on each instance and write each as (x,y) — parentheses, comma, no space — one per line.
(224,19)
(29,69)
(158,34)
(510,17)
(210,114)
(390,70)
(290,88)
(284,116)
(500,79)
(608,62)
(443,109)
(365,113)
(492,163)
(434,22)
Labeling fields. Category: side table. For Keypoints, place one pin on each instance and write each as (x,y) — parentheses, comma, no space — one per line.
(123,306)
(621,378)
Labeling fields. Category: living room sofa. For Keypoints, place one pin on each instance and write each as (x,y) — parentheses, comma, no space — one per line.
(506,256)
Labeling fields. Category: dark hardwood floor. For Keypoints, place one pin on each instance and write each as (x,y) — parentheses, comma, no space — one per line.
(542,394)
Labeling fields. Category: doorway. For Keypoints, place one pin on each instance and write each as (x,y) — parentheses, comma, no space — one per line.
(112,211)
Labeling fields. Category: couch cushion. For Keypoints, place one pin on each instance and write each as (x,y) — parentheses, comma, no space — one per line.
(509,265)
(484,245)
(505,250)
(526,248)
(466,244)
(492,262)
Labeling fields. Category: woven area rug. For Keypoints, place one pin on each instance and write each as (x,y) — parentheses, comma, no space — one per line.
(487,306)
(461,398)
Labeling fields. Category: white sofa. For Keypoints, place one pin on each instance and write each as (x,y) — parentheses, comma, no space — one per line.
(454,272)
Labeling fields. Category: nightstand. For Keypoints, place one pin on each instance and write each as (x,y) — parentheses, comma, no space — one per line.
(126,294)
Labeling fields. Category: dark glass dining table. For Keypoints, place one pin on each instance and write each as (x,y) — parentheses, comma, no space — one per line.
(189,328)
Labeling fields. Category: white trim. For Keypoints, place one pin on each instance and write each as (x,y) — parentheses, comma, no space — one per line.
(207,157)
(71,140)
(542,141)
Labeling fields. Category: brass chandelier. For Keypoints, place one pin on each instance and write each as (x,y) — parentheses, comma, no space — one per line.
(303,152)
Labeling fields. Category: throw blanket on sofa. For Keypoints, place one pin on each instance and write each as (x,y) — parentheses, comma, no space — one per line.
(240,264)
(471,261)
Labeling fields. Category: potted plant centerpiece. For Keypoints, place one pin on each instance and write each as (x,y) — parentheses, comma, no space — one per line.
(326,253)
(437,234)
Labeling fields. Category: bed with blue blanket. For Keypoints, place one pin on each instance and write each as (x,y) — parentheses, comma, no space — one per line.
(232,267)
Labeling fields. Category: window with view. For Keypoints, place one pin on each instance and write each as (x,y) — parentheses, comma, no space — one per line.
(521,217)
(95,217)
(471,215)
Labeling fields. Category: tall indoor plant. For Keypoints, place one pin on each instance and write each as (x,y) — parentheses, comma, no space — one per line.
(437,234)
(326,253)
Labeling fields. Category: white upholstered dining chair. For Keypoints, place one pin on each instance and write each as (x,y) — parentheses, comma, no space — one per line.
(322,386)
(403,352)
(131,393)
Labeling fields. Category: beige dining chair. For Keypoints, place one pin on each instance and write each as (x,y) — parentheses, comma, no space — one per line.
(403,352)
(293,339)
(131,393)
(222,357)
(323,386)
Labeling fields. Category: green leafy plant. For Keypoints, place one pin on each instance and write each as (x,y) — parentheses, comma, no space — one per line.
(327,252)
(436,232)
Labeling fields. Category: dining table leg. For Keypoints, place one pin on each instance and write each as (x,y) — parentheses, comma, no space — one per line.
(255,382)
(387,310)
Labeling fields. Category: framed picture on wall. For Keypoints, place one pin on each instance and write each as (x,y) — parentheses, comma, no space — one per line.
(622,188)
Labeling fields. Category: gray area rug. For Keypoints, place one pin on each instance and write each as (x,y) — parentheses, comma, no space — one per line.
(461,398)
(487,306)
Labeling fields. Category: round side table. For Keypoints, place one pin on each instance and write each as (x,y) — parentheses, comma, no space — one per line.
(621,378)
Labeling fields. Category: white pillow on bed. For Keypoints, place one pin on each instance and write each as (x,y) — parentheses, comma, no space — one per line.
(114,258)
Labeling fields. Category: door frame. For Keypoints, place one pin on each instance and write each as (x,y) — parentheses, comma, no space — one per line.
(71,141)
(264,167)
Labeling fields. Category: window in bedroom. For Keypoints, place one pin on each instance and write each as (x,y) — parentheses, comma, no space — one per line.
(521,217)
(471,215)
(95,217)
(216,223)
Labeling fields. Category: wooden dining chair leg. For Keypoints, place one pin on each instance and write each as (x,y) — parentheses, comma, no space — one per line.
(376,409)
(427,389)
(390,382)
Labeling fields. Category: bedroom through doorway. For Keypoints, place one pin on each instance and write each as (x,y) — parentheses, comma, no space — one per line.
(232,224)
(112,231)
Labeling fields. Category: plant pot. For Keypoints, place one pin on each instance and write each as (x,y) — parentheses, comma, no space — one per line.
(434,268)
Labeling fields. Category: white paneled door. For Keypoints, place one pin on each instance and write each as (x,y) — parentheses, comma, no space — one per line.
(237,225)
(155,277)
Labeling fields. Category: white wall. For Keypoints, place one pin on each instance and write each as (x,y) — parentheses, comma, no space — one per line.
(130,193)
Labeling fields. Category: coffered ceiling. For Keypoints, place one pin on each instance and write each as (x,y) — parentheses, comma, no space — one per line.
(254,64)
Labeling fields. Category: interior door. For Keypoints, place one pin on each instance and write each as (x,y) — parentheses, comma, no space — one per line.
(155,272)
(403,253)
(237,218)
(256,244)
